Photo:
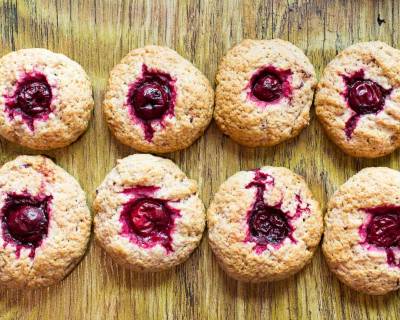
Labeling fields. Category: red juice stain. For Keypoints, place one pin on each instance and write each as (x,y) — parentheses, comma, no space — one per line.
(269,84)
(25,221)
(151,98)
(363,96)
(31,99)
(147,220)
(269,225)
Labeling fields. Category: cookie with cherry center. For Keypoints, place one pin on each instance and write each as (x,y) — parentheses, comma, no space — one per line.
(45,99)
(358,99)
(264,225)
(362,236)
(45,223)
(148,214)
(157,101)
(264,92)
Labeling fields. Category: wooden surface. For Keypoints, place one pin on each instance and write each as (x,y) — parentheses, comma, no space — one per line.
(98,34)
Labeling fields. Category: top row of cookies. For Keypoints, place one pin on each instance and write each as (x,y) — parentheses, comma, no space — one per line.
(157,101)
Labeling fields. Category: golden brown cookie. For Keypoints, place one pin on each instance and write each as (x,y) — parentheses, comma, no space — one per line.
(362,234)
(157,101)
(264,92)
(358,99)
(45,223)
(264,225)
(148,214)
(45,99)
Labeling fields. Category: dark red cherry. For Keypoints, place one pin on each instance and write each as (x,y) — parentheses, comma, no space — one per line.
(150,98)
(33,96)
(27,223)
(268,87)
(149,216)
(150,101)
(268,224)
(365,96)
(383,230)
(148,221)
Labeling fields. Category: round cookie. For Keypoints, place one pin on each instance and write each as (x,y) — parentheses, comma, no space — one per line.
(264,225)
(45,99)
(148,214)
(358,99)
(45,223)
(157,101)
(264,92)
(362,231)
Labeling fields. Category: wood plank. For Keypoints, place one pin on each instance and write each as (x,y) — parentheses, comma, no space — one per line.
(97,34)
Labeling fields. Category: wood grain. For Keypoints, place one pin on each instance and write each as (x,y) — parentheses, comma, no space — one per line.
(97,34)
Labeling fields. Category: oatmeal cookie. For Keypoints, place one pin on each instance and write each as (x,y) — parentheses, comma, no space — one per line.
(157,101)
(45,223)
(148,214)
(264,92)
(358,99)
(45,99)
(264,225)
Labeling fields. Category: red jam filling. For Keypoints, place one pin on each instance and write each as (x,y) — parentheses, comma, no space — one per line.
(268,224)
(382,230)
(151,98)
(269,84)
(31,99)
(148,221)
(363,97)
(25,221)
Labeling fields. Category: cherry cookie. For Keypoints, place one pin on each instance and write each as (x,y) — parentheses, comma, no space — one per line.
(362,236)
(264,92)
(358,99)
(157,101)
(149,216)
(45,223)
(264,225)
(45,99)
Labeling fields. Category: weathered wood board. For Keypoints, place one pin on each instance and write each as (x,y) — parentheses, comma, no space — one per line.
(97,34)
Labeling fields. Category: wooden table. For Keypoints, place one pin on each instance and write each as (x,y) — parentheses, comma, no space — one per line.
(98,34)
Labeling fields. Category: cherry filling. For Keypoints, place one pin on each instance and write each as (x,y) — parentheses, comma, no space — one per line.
(383,230)
(269,84)
(148,221)
(27,224)
(25,221)
(151,98)
(150,101)
(149,216)
(268,224)
(31,99)
(267,88)
(363,97)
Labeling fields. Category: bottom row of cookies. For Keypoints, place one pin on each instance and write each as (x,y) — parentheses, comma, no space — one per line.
(264,225)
